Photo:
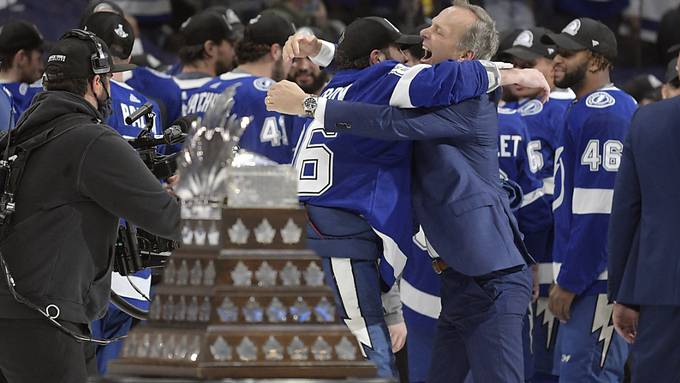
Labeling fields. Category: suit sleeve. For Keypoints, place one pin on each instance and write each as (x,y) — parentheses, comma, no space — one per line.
(446,83)
(113,175)
(625,218)
(394,124)
(593,187)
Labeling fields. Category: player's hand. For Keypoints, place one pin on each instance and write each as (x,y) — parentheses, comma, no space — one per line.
(398,336)
(535,287)
(625,321)
(560,301)
(301,45)
(528,78)
(285,97)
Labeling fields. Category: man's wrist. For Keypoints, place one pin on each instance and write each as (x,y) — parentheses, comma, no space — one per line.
(325,55)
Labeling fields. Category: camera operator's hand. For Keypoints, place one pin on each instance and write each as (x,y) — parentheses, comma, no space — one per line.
(170,184)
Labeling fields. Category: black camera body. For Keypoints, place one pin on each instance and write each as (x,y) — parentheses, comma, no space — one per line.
(137,249)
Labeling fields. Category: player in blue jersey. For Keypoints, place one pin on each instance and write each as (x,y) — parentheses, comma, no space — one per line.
(21,47)
(356,189)
(118,34)
(544,121)
(260,64)
(6,109)
(208,50)
(586,163)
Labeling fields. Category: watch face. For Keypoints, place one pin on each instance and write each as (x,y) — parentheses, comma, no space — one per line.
(310,103)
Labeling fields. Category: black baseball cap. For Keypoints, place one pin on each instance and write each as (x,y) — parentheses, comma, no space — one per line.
(116,32)
(205,26)
(674,49)
(232,19)
(585,33)
(95,6)
(20,34)
(368,33)
(527,45)
(80,54)
(269,27)
(671,71)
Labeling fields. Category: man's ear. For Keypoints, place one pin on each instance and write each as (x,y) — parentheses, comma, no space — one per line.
(275,51)
(21,57)
(209,47)
(468,55)
(375,57)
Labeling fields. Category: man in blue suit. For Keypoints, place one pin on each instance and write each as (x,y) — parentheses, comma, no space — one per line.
(644,266)
(464,213)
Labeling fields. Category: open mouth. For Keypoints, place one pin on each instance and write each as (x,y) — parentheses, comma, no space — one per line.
(427,56)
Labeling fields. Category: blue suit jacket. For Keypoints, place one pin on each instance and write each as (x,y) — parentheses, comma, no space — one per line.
(457,196)
(643,244)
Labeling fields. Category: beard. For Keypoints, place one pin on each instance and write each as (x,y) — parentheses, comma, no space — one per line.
(318,81)
(278,71)
(222,67)
(571,79)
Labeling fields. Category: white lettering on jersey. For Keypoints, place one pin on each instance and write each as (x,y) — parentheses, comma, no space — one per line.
(508,145)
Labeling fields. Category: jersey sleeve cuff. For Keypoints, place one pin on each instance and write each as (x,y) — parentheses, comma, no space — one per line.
(325,55)
(493,74)
(320,112)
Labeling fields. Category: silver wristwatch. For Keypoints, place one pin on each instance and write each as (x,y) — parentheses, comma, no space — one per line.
(309,105)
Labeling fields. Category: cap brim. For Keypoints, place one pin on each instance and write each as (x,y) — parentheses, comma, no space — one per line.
(409,40)
(674,49)
(522,54)
(562,40)
(122,67)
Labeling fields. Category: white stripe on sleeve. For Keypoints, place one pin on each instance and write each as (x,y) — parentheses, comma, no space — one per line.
(531,197)
(400,95)
(592,201)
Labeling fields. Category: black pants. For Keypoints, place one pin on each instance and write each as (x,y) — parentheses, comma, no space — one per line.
(34,350)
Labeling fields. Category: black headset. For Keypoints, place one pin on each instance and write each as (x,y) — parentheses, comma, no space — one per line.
(100,59)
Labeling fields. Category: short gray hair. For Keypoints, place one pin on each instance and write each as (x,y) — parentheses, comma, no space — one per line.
(481,38)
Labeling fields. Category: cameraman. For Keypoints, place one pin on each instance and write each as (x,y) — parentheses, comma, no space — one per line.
(58,245)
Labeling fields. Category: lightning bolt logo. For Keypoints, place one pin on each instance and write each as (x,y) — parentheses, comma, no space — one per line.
(602,320)
(548,319)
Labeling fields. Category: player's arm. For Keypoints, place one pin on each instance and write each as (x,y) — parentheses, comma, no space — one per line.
(390,123)
(624,222)
(598,157)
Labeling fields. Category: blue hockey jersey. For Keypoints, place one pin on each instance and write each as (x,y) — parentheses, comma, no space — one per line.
(544,122)
(171,91)
(371,177)
(586,163)
(7,113)
(22,95)
(270,134)
(126,101)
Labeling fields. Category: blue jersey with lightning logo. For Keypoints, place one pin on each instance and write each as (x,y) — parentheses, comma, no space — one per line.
(544,122)
(586,163)
(22,95)
(368,177)
(269,133)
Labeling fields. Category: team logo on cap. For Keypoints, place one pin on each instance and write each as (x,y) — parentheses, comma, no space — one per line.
(573,27)
(525,39)
(255,19)
(120,31)
(600,100)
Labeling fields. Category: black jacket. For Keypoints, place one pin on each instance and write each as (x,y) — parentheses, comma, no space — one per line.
(59,244)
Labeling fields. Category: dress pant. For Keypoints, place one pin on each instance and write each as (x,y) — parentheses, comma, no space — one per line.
(480,327)
(34,350)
